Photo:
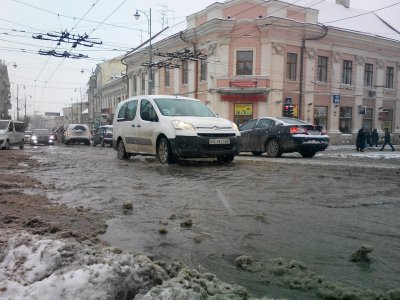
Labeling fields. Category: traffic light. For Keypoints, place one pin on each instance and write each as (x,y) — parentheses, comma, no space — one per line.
(290,111)
(286,111)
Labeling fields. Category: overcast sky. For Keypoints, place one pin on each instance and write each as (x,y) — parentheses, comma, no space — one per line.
(48,83)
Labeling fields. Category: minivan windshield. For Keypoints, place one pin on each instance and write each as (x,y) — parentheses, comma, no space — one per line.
(183,107)
(3,124)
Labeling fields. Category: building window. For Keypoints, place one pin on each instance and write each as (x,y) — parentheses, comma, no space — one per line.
(291,66)
(347,71)
(185,72)
(368,74)
(203,70)
(368,118)
(345,120)
(166,76)
(322,68)
(389,77)
(135,84)
(143,82)
(244,63)
(321,116)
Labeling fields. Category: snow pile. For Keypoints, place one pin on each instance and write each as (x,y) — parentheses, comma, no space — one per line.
(36,268)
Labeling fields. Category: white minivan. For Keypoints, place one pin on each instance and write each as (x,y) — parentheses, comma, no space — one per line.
(172,127)
(11,134)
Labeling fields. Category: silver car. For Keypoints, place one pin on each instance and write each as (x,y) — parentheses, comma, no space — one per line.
(76,134)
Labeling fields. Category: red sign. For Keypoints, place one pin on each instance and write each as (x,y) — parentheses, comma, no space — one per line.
(247,97)
(382,116)
(243,83)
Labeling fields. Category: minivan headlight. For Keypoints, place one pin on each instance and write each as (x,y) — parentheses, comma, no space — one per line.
(235,127)
(178,124)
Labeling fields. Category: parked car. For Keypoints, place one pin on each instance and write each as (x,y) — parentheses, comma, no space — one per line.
(76,134)
(172,127)
(103,136)
(276,136)
(42,137)
(11,134)
(27,137)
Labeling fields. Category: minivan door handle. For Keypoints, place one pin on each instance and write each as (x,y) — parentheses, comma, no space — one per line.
(133,125)
(139,125)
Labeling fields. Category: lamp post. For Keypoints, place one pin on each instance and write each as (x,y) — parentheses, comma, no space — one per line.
(18,86)
(137,16)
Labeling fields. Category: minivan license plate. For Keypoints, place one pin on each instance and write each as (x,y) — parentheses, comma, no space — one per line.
(219,141)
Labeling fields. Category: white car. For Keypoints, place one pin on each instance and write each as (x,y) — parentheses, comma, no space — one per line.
(172,127)
(11,134)
(76,134)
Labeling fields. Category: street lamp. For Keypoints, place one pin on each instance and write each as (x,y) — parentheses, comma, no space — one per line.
(137,16)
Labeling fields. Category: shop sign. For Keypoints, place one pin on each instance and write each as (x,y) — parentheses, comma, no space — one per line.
(243,83)
(243,109)
(239,97)
(383,115)
(336,99)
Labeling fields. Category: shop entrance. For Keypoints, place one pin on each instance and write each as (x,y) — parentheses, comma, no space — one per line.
(243,112)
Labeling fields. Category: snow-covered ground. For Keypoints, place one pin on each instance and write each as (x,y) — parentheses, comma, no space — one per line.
(33,267)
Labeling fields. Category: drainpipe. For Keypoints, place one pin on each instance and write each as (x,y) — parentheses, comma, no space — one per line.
(303,50)
(196,68)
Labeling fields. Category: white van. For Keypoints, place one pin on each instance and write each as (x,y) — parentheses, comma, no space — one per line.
(172,127)
(11,134)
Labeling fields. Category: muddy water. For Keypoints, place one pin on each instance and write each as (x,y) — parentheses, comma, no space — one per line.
(316,211)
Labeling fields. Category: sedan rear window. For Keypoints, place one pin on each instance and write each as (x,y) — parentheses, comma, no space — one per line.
(292,121)
(79,127)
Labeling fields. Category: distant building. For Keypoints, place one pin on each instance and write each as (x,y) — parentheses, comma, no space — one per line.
(250,58)
(5,96)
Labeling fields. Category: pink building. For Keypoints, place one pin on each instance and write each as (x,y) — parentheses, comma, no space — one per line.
(250,58)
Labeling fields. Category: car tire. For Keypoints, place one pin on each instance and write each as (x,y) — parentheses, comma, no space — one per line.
(308,153)
(7,145)
(273,148)
(121,151)
(164,152)
(225,158)
(257,153)
(102,143)
(21,145)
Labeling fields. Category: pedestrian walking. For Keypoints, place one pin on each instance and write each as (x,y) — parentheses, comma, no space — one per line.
(374,138)
(360,141)
(387,140)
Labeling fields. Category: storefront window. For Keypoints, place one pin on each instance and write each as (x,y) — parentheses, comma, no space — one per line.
(367,121)
(388,123)
(321,116)
(345,120)
(243,112)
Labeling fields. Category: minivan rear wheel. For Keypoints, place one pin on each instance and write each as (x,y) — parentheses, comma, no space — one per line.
(121,151)
(164,152)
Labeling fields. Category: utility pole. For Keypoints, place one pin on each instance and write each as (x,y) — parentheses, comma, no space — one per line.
(17,104)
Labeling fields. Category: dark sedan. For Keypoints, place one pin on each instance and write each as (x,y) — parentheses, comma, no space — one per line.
(103,136)
(276,136)
(41,137)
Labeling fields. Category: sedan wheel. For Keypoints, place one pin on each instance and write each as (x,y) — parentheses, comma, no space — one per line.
(21,145)
(121,151)
(164,153)
(7,146)
(273,149)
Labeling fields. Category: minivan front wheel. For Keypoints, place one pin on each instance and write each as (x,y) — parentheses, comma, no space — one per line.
(164,152)
(121,150)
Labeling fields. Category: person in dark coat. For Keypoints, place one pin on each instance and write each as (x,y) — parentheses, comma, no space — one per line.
(374,138)
(360,142)
(387,140)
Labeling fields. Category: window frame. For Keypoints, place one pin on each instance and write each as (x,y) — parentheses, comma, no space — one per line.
(244,66)
(347,119)
(322,68)
(185,72)
(347,72)
(291,66)
(167,73)
(389,78)
(203,69)
(368,74)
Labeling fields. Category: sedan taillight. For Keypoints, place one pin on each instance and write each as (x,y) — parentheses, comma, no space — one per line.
(298,130)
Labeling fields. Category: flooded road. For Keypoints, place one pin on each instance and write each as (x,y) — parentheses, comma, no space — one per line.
(317,211)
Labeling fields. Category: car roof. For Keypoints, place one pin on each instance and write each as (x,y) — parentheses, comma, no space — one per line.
(286,120)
